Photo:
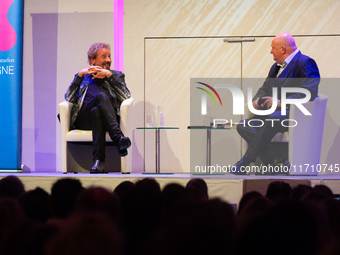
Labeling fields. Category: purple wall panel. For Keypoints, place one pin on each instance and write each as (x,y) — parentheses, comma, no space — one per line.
(45,39)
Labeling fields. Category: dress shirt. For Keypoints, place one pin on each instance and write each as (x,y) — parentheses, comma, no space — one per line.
(286,62)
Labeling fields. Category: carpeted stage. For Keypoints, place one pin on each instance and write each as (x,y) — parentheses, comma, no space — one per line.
(228,187)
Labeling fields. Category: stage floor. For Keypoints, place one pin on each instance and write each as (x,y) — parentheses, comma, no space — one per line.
(228,187)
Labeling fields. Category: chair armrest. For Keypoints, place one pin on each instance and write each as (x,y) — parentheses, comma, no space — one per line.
(65,120)
(306,137)
(126,123)
(65,116)
(126,113)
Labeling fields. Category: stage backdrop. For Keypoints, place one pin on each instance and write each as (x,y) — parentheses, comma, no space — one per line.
(11,44)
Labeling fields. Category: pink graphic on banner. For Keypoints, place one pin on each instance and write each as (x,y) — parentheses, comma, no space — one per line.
(8,36)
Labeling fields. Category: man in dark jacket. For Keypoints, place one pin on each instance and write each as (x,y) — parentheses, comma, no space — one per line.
(292,69)
(97,93)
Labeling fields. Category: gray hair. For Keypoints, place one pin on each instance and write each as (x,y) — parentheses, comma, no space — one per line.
(92,52)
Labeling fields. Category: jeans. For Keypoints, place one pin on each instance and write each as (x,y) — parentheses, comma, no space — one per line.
(99,116)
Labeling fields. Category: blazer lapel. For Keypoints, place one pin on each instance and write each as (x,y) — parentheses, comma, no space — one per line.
(273,71)
(290,67)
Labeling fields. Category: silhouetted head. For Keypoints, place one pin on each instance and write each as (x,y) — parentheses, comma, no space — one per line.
(278,191)
(247,198)
(98,199)
(172,195)
(123,189)
(64,194)
(35,204)
(323,189)
(254,209)
(299,191)
(197,189)
(11,186)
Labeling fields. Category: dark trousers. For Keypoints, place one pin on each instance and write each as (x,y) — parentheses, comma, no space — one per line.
(258,136)
(99,116)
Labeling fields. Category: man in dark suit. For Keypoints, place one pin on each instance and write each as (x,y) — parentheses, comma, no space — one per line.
(292,69)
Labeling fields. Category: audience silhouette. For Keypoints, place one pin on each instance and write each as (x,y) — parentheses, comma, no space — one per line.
(143,218)
(11,186)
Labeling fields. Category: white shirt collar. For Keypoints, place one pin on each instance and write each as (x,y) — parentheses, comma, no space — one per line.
(290,57)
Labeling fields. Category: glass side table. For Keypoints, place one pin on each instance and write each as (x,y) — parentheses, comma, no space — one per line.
(208,143)
(157,145)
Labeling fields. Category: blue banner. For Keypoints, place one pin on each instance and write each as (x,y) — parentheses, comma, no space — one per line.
(11,58)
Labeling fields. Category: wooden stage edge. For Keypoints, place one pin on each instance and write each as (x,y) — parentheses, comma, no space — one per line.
(228,187)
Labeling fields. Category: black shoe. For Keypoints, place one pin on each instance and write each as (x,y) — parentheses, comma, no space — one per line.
(98,167)
(123,153)
(239,168)
(122,145)
(278,166)
(279,162)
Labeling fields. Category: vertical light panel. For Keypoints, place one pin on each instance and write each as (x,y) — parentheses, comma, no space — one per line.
(118,30)
(45,39)
(11,32)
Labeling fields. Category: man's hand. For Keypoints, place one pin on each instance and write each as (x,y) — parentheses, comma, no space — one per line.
(96,71)
(83,72)
(268,103)
(99,72)
(255,104)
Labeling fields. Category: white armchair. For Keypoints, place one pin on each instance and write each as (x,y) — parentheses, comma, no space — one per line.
(84,137)
(305,139)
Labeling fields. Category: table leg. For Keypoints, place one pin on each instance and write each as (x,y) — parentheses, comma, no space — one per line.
(157,151)
(208,156)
